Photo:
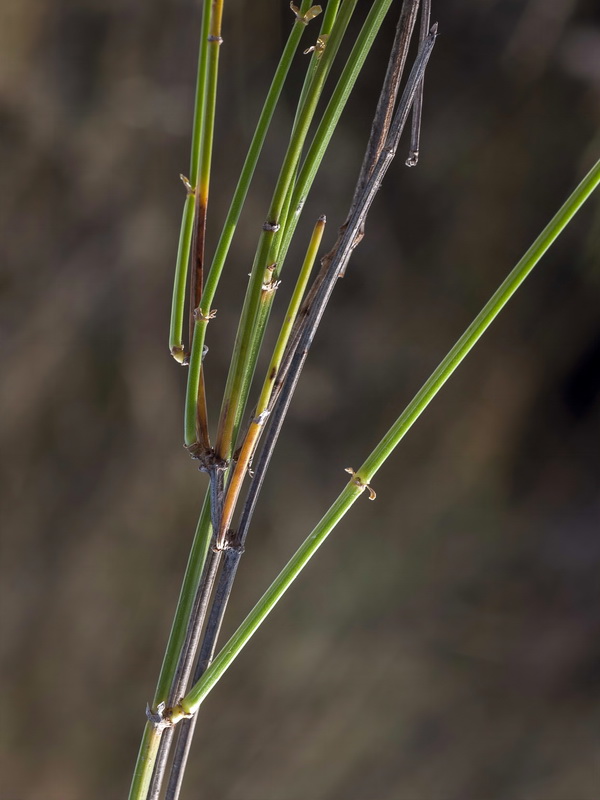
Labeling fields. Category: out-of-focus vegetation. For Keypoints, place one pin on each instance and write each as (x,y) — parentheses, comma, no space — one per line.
(472,607)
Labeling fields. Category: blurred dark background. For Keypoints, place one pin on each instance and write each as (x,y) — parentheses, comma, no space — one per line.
(445,643)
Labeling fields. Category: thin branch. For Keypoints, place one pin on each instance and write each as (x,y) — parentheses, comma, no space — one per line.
(415,135)
(388,96)
(201,202)
(261,413)
(207,651)
(197,255)
(216,472)
(186,663)
(189,213)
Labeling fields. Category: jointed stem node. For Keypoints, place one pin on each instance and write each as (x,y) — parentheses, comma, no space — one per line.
(361,484)
(271,227)
(158,719)
(229,541)
(319,46)
(176,714)
(179,354)
(270,286)
(261,418)
(209,460)
(200,316)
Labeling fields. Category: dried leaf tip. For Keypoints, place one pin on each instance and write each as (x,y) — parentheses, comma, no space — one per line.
(319,46)
(188,186)
(312,12)
(179,354)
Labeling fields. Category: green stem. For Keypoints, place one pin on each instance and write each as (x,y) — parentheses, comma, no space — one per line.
(200,177)
(185,236)
(241,368)
(142,775)
(231,222)
(192,576)
(260,323)
(363,476)
(257,425)
(291,313)
(302,186)
(331,118)
(201,191)
(329,16)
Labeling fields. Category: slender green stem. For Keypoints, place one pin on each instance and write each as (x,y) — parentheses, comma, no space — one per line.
(329,16)
(200,103)
(142,775)
(185,236)
(257,425)
(151,738)
(201,191)
(360,479)
(303,184)
(480,324)
(266,301)
(330,119)
(200,176)
(241,369)
(291,313)
(231,222)
(178,302)
(265,605)
(202,184)
(192,576)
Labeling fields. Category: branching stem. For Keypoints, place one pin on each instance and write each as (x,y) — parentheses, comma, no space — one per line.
(372,464)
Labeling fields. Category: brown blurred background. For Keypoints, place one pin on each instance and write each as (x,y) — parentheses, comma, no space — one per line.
(445,643)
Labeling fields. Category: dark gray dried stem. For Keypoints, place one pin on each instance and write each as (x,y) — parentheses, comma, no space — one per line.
(187,727)
(186,660)
(415,134)
(388,96)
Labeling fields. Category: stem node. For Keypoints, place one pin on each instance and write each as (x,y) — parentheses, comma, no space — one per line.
(271,227)
(179,354)
(158,719)
(200,316)
(176,714)
(270,286)
(361,484)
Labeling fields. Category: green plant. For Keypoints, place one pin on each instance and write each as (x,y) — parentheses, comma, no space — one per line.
(217,549)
